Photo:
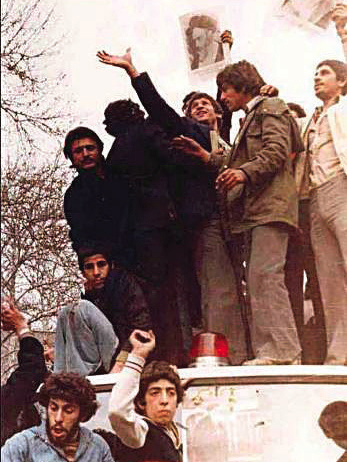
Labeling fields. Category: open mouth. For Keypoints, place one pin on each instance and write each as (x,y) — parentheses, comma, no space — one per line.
(57,432)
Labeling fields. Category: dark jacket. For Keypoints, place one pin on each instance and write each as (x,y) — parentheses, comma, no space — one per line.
(158,447)
(193,184)
(19,391)
(140,156)
(97,211)
(123,303)
(262,151)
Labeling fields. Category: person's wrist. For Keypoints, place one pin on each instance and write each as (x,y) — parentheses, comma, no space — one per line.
(132,72)
(22,331)
(140,353)
(205,155)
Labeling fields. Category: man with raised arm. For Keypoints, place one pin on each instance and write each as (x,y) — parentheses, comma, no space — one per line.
(197,205)
(143,406)
(18,393)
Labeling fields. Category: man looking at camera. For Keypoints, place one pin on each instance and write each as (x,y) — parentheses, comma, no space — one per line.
(143,405)
(69,399)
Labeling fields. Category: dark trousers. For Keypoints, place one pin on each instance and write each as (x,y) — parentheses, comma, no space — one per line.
(300,258)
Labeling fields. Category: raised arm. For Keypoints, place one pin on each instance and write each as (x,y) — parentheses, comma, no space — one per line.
(155,105)
(23,382)
(123,62)
(340,18)
(130,427)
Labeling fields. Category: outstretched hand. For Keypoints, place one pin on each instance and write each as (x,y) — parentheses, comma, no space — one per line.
(191,147)
(123,62)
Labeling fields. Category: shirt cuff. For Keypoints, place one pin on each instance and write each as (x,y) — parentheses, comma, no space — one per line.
(135,362)
(24,332)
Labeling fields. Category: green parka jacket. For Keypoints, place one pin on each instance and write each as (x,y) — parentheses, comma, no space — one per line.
(262,150)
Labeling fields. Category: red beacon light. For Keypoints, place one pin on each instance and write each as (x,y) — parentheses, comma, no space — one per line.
(209,349)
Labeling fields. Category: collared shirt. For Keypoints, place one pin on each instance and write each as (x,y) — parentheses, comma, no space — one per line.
(324,161)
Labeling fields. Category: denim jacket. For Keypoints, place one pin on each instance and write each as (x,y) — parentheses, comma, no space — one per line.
(33,445)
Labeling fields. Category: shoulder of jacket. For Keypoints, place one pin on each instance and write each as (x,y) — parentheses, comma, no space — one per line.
(272,105)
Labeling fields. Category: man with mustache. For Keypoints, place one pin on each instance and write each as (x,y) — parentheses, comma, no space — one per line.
(321,171)
(69,399)
(196,204)
(96,203)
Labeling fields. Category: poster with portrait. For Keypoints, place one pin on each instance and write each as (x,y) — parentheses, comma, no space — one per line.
(309,13)
(201,36)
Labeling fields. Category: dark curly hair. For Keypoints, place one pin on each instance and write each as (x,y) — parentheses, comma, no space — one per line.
(340,69)
(153,372)
(85,252)
(120,114)
(70,387)
(333,420)
(77,134)
(198,95)
(243,76)
(186,100)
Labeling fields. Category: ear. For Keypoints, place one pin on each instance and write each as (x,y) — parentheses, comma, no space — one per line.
(342,84)
(142,404)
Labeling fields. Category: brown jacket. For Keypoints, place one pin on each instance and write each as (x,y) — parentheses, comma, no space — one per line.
(262,150)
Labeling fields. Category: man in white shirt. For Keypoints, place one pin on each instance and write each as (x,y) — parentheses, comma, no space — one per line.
(327,153)
(143,405)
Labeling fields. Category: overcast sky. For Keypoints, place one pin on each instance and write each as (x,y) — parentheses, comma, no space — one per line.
(284,53)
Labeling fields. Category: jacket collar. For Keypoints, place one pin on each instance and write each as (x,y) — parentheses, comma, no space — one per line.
(254,103)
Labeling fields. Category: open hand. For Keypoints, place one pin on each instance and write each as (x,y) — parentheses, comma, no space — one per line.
(190,146)
(123,61)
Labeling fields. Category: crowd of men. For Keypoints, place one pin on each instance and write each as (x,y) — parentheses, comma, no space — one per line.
(177,231)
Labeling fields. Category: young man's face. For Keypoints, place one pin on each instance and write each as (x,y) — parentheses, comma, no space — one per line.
(96,269)
(326,85)
(63,419)
(202,111)
(85,153)
(233,99)
(161,402)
